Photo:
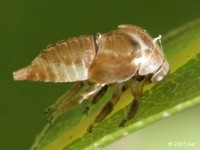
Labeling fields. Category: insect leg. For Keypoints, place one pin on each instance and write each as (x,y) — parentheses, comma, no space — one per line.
(53,110)
(96,98)
(65,97)
(136,89)
(86,95)
(107,109)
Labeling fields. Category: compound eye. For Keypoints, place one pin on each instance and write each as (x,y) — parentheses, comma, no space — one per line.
(162,73)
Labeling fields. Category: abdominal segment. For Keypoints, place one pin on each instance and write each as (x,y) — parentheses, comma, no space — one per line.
(65,61)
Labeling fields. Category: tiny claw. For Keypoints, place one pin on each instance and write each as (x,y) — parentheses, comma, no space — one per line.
(85,112)
(49,109)
(51,113)
(45,113)
(122,123)
(50,119)
(89,129)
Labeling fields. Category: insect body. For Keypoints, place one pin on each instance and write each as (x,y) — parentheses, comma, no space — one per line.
(126,57)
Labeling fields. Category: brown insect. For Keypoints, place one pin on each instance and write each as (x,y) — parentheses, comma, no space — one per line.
(126,57)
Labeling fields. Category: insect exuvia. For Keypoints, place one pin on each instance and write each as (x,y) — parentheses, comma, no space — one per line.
(123,58)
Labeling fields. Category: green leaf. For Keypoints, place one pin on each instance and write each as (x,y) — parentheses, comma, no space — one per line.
(179,92)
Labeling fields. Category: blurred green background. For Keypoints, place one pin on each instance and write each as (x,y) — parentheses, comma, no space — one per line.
(26,27)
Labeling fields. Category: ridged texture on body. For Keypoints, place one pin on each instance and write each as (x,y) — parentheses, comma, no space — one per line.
(65,61)
(106,58)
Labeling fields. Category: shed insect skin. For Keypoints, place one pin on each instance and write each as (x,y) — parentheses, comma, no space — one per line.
(123,58)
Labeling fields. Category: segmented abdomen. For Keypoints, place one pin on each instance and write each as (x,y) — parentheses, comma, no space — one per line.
(65,61)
